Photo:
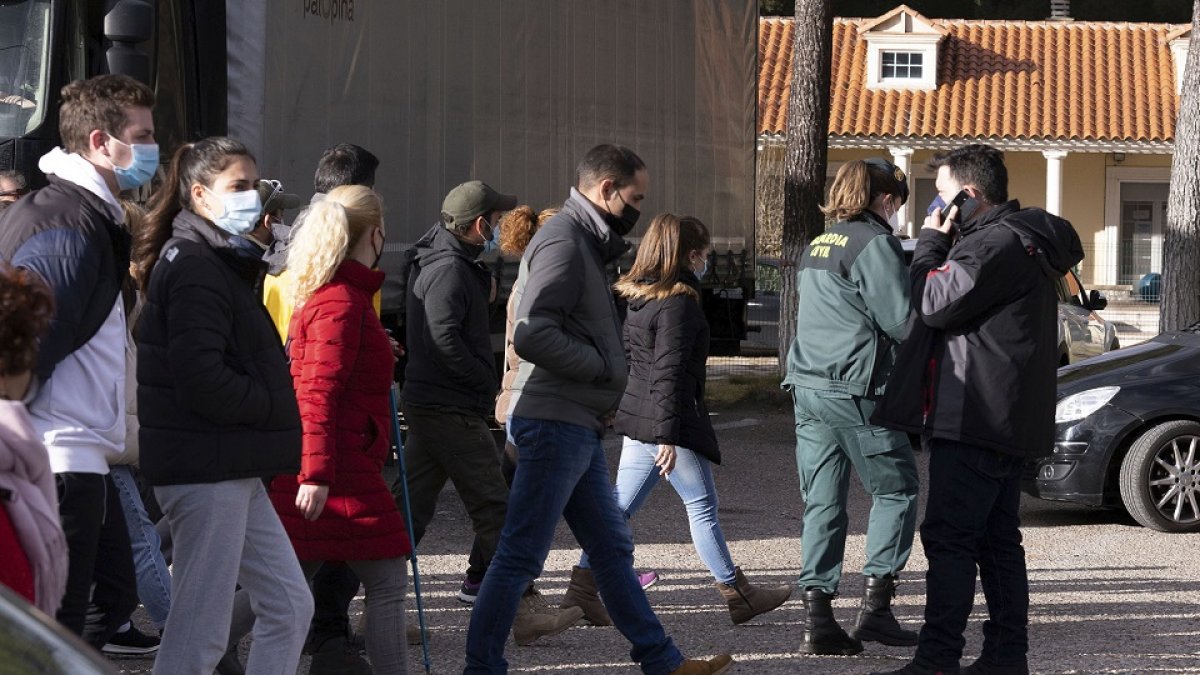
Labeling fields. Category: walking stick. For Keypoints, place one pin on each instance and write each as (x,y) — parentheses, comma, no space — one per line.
(409,524)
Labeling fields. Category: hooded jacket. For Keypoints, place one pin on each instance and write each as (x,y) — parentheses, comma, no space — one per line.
(567,332)
(666,342)
(70,234)
(450,359)
(979,364)
(215,397)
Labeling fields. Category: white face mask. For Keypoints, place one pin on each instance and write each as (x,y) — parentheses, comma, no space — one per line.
(893,218)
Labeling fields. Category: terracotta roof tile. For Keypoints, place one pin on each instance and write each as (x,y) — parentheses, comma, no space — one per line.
(1051,81)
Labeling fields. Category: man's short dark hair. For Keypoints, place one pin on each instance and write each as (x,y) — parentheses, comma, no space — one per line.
(977,165)
(345,164)
(98,103)
(608,162)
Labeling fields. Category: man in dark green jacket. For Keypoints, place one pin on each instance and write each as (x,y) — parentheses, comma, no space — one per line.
(853,312)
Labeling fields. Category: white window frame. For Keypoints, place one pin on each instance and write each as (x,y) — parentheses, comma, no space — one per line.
(1108,260)
(924,44)
(908,54)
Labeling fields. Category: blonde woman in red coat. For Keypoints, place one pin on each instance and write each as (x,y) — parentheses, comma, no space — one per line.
(338,507)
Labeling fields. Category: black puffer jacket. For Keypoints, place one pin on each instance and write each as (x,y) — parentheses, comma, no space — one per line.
(666,343)
(979,364)
(450,359)
(215,398)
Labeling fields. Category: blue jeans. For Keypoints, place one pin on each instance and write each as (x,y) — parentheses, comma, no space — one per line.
(153,579)
(692,479)
(972,521)
(562,471)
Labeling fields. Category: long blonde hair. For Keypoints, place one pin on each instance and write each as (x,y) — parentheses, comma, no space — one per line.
(855,186)
(330,229)
(662,256)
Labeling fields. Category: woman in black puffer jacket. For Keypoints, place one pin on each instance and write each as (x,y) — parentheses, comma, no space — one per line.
(662,415)
(217,414)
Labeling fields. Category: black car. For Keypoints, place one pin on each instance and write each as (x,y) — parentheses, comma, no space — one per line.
(1127,433)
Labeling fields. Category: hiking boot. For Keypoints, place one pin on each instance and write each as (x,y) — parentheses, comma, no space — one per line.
(876,623)
(647,579)
(914,669)
(747,601)
(131,642)
(714,666)
(331,658)
(582,593)
(822,634)
(469,590)
(536,618)
(412,633)
(981,667)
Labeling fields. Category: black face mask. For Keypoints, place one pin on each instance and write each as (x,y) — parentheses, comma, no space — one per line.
(378,251)
(624,223)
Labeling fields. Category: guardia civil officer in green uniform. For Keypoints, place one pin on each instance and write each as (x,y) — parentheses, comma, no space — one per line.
(853,312)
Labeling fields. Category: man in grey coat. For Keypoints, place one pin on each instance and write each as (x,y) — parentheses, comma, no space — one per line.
(570,379)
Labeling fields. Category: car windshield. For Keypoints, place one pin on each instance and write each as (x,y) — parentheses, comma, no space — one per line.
(24,65)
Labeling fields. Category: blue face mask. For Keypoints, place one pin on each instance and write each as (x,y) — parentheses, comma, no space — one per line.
(492,243)
(141,169)
(239,211)
(703,271)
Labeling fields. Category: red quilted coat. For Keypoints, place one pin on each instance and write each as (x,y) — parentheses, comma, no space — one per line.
(342,368)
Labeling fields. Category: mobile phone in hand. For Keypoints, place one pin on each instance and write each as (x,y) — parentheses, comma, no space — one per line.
(959,200)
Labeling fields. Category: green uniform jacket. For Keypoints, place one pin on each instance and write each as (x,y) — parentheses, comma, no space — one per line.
(854,306)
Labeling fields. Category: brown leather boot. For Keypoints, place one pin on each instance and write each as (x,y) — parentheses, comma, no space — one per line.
(536,618)
(714,666)
(582,593)
(747,601)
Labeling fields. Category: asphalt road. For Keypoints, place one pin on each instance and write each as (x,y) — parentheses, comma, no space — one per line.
(1107,595)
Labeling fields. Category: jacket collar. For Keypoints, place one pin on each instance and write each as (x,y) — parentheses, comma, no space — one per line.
(358,275)
(245,260)
(871,218)
(607,243)
(990,217)
(73,168)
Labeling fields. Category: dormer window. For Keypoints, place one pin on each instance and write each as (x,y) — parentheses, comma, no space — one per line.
(902,50)
(897,65)
(1179,40)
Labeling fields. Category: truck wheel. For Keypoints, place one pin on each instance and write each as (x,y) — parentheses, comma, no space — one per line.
(1160,477)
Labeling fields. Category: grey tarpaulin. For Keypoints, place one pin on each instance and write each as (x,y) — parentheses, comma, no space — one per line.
(508,91)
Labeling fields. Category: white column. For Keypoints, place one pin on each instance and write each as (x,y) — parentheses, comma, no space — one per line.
(1054,160)
(902,158)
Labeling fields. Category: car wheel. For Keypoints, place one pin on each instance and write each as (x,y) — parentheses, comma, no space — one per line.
(1160,477)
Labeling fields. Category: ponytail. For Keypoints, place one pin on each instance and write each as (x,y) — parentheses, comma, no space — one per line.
(330,229)
(198,162)
(850,193)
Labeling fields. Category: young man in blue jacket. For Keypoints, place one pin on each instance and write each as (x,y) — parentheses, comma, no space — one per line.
(71,234)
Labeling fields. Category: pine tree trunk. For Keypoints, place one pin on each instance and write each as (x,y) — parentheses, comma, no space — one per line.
(807,151)
(1180,304)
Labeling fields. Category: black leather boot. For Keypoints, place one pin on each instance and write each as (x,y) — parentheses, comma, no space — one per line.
(876,623)
(822,634)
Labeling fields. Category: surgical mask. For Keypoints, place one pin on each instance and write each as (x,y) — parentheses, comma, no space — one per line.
(141,169)
(492,243)
(703,271)
(894,220)
(239,211)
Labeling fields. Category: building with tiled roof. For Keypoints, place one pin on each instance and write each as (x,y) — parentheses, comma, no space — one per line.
(1085,112)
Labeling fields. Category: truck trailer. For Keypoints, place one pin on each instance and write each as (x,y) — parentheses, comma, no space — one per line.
(512,92)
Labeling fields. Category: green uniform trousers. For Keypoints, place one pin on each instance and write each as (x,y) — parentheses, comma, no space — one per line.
(833,432)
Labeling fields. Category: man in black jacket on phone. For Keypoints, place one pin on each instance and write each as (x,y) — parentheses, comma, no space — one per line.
(976,379)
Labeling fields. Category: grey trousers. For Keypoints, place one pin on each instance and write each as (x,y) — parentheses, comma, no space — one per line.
(226,534)
(384,582)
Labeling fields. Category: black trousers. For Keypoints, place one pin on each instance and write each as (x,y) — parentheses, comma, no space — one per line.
(100,566)
(972,523)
